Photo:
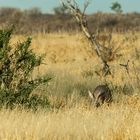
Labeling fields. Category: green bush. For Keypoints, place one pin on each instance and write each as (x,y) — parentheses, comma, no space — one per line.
(16,66)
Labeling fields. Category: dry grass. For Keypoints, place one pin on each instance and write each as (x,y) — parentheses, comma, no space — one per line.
(72,117)
(119,122)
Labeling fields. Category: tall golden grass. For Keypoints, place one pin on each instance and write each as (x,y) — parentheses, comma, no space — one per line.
(71,63)
(118,122)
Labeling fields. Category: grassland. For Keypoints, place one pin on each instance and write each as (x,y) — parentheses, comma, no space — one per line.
(72,64)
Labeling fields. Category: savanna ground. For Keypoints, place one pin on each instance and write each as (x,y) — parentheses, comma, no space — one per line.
(72,64)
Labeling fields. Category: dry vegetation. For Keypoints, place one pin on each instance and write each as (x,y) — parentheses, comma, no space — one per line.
(44,22)
(72,65)
(119,122)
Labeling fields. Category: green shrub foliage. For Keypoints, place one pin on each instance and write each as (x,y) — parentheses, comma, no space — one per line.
(16,66)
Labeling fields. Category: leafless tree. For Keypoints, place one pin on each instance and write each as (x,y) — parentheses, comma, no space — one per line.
(106,54)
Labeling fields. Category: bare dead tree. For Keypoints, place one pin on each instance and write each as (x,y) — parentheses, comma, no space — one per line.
(104,53)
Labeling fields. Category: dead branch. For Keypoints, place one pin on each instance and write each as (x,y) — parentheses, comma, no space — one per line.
(104,53)
(126,66)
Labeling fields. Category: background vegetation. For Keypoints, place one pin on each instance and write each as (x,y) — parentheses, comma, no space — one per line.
(33,21)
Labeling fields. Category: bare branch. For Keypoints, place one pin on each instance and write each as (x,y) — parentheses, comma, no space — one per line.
(126,66)
(82,21)
(103,52)
(86,4)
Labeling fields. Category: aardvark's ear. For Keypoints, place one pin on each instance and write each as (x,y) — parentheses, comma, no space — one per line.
(90,94)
